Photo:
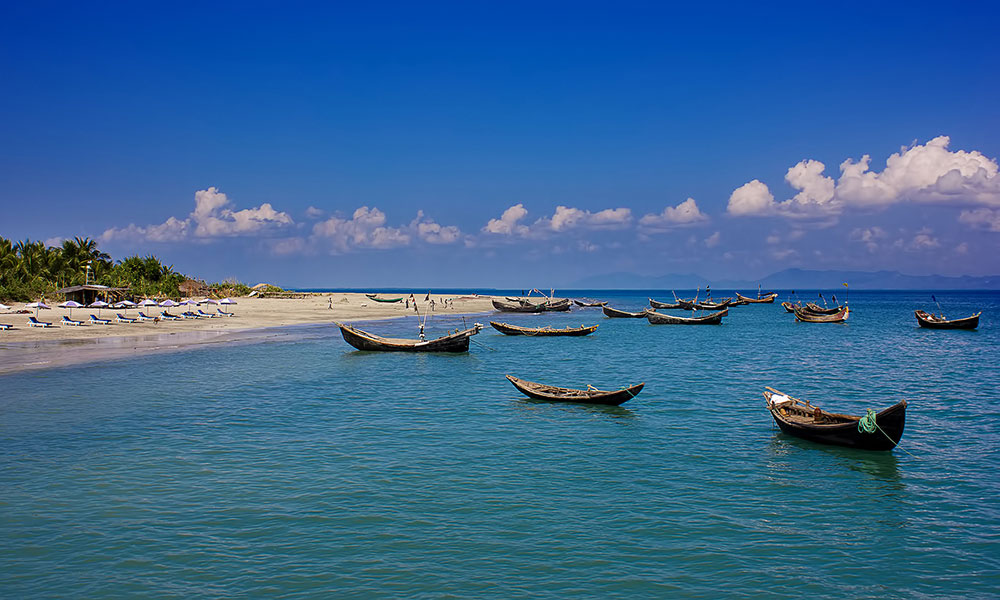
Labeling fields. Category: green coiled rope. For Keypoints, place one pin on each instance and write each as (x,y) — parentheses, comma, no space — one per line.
(867,424)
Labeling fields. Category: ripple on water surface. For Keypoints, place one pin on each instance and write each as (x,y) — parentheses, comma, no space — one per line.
(305,468)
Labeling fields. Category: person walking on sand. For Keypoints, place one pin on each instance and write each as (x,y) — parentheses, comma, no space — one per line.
(432,304)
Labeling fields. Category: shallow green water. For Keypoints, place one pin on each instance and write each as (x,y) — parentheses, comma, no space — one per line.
(304,468)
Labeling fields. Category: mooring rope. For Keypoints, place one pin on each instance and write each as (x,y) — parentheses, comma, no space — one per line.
(868,424)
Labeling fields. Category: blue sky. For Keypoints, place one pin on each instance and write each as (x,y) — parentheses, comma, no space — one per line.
(505,144)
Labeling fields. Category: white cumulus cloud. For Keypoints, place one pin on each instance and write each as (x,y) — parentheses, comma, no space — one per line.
(685,213)
(926,173)
(211,218)
(507,224)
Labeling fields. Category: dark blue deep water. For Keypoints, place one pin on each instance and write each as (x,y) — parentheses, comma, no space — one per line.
(306,469)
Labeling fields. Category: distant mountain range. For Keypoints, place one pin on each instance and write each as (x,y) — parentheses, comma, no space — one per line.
(791,279)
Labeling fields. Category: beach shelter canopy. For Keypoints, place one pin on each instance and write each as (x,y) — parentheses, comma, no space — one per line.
(124,304)
(37,305)
(168,303)
(71,304)
(209,301)
(99,304)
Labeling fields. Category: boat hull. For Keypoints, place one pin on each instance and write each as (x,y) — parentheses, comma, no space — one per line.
(656,318)
(362,340)
(557,394)
(808,317)
(929,321)
(891,421)
(508,329)
(518,308)
(766,299)
(614,313)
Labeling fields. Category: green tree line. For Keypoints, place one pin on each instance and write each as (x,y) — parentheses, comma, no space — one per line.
(31,270)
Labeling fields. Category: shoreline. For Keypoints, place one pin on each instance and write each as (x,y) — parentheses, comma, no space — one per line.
(257,320)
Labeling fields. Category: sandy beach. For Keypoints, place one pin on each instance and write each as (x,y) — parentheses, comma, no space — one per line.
(254,319)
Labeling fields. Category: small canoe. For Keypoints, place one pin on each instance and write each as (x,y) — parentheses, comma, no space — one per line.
(930,321)
(520,307)
(664,305)
(763,299)
(508,329)
(802,419)
(377,299)
(614,313)
(589,304)
(808,317)
(362,340)
(656,318)
(788,306)
(540,391)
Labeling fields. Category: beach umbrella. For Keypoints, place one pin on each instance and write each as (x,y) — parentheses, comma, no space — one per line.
(230,301)
(126,304)
(148,302)
(98,304)
(209,301)
(36,306)
(169,303)
(71,304)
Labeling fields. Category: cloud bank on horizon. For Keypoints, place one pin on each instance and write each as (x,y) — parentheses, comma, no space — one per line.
(920,173)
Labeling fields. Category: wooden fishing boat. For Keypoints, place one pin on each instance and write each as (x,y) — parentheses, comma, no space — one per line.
(508,329)
(614,313)
(540,391)
(519,307)
(816,309)
(788,306)
(453,342)
(664,305)
(930,321)
(809,317)
(705,304)
(801,419)
(377,299)
(764,299)
(557,305)
(589,304)
(656,318)
(738,302)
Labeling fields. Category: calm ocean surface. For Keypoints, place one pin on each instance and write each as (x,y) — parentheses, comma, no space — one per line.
(304,468)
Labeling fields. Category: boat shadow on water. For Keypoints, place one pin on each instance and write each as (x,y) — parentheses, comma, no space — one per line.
(881,467)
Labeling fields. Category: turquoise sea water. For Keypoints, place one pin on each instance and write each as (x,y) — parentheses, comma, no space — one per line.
(303,468)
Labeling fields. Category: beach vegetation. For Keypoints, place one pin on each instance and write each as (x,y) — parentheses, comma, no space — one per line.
(30,270)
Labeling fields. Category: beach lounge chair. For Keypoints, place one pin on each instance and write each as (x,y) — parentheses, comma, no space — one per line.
(143,317)
(223,313)
(5,327)
(123,319)
(33,322)
(68,321)
(97,321)
(192,315)
(209,315)
(169,317)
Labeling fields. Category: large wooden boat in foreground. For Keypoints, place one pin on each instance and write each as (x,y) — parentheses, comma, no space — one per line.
(656,318)
(930,321)
(801,419)
(508,329)
(614,313)
(540,391)
(453,342)
(809,317)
